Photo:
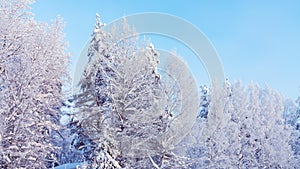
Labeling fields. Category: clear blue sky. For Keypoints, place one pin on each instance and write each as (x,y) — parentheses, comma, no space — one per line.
(256,40)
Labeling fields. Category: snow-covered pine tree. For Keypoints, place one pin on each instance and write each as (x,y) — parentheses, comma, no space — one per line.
(120,80)
(33,63)
(86,104)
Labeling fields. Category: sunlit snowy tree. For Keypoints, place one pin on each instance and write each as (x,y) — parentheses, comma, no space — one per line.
(251,132)
(33,68)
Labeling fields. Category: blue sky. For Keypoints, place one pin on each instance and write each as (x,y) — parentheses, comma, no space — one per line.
(256,41)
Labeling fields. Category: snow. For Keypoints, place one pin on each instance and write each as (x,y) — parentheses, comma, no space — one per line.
(70,166)
(64,120)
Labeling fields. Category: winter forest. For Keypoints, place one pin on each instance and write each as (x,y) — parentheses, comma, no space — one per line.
(128,114)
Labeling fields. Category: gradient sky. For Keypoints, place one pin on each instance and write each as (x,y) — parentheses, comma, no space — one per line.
(256,41)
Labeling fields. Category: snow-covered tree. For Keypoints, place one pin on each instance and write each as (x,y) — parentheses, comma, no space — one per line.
(33,68)
(250,134)
(292,117)
(290,112)
(126,107)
